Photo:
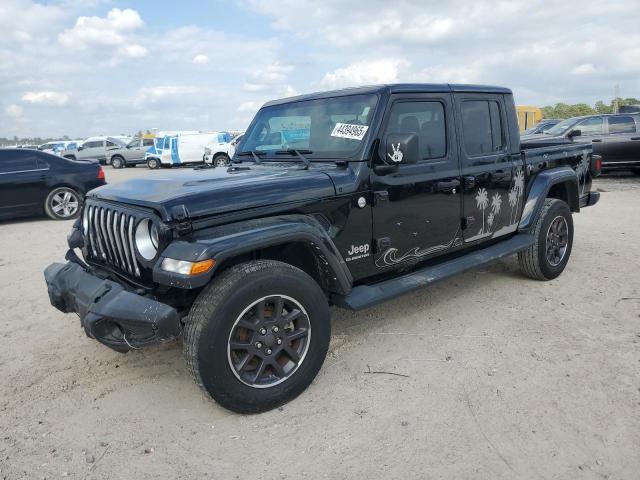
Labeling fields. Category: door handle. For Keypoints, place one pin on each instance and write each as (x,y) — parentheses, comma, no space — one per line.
(469,182)
(448,186)
(596,140)
(635,138)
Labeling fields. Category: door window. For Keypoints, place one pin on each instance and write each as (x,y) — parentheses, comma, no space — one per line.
(92,144)
(482,127)
(590,126)
(147,142)
(424,119)
(621,125)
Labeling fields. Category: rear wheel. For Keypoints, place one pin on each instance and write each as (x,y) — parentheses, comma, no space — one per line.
(553,233)
(153,163)
(117,162)
(63,203)
(257,336)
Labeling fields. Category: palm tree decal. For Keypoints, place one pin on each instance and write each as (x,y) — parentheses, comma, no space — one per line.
(582,168)
(482,200)
(496,205)
(516,191)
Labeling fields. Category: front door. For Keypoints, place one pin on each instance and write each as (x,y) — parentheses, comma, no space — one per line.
(493,177)
(21,183)
(416,213)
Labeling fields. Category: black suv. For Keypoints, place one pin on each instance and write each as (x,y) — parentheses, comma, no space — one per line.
(616,138)
(344,198)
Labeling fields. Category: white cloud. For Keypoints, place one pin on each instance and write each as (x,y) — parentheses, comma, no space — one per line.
(265,78)
(583,69)
(365,73)
(46,98)
(14,110)
(112,30)
(200,59)
(132,51)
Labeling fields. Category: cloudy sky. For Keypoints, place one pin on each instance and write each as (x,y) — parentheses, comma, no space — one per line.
(108,66)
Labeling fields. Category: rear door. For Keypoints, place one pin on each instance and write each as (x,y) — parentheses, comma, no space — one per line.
(493,178)
(22,182)
(622,143)
(416,212)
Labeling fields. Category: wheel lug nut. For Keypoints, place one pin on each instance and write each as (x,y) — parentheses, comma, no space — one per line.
(258,345)
(268,352)
(279,341)
(263,331)
(275,329)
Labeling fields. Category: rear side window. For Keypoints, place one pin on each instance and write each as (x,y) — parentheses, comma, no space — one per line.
(13,162)
(92,144)
(147,142)
(621,125)
(482,127)
(426,120)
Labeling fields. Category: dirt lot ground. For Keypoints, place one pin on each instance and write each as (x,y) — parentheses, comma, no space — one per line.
(502,378)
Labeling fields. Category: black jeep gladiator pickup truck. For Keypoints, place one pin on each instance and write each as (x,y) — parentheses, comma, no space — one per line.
(345,198)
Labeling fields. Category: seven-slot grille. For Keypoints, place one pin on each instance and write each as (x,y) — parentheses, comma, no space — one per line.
(111,237)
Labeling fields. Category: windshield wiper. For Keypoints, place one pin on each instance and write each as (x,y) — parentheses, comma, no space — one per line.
(298,153)
(255,154)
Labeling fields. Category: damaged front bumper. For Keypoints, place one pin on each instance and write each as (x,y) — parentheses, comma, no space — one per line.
(109,313)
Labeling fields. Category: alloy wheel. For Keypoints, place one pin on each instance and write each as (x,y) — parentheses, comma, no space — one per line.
(65,204)
(269,341)
(557,240)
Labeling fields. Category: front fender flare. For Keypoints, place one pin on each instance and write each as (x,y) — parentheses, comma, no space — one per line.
(539,190)
(227,241)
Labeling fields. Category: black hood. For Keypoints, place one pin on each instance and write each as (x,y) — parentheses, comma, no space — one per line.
(209,191)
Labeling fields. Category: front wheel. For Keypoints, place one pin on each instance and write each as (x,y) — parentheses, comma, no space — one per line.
(63,203)
(221,160)
(257,336)
(553,234)
(153,163)
(117,162)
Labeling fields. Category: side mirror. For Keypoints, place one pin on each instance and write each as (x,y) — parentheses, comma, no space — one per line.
(575,133)
(401,148)
(80,147)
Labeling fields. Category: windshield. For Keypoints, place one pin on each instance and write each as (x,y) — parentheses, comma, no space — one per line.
(561,127)
(330,127)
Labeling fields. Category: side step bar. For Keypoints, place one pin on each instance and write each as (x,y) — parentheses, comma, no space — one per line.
(365,296)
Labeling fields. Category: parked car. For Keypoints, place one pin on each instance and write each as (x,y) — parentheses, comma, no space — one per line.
(58,146)
(180,149)
(616,138)
(129,155)
(392,188)
(94,148)
(219,153)
(542,126)
(33,182)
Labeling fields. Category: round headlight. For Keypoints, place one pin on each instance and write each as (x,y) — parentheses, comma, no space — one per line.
(146,240)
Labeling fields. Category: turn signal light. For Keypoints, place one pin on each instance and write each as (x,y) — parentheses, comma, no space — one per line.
(184,267)
(202,267)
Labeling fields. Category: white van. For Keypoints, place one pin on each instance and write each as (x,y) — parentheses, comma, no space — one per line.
(180,149)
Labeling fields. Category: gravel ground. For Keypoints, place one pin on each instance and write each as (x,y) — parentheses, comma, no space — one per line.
(499,377)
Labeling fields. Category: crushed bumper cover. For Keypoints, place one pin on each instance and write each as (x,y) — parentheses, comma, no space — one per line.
(115,317)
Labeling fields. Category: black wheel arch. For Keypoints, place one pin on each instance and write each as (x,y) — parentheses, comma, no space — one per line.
(299,240)
(560,183)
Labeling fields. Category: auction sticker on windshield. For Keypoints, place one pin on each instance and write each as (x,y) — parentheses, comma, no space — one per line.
(347,130)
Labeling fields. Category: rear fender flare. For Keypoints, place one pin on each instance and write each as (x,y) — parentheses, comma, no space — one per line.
(225,242)
(540,187)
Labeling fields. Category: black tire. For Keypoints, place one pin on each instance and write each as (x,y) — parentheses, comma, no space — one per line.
(535,262)
(216,316)
(221,160)
(636,171)
(63,203)
(153,163)
(118,162)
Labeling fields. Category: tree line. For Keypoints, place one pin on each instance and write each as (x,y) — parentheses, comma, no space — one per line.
(564,110)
